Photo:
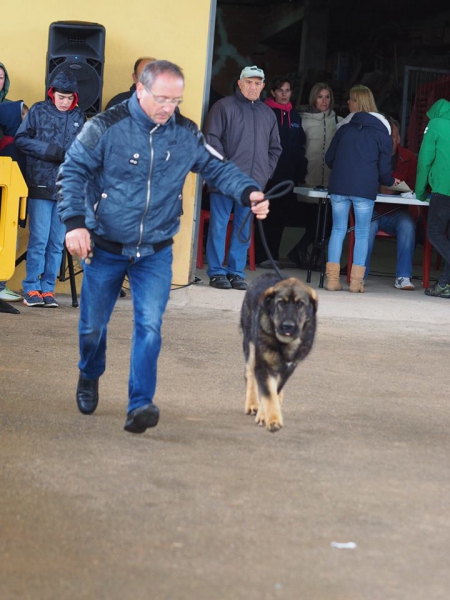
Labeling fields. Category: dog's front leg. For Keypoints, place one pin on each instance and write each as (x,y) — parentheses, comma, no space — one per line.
(260,418)
(271,405)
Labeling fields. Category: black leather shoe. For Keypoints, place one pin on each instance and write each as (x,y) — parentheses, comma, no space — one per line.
(237,282)
(87,395)
(141,418)
(220,282)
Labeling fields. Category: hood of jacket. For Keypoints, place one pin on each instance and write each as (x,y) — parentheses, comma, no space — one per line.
(64,80)
(376,120)
(439,110)
(5,90)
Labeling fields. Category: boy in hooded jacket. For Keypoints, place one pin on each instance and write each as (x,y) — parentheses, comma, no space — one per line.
(44,136)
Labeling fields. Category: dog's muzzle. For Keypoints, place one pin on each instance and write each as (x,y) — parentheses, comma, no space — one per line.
(287,328)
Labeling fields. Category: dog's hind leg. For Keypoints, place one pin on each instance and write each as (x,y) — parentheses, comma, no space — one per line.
(251,392)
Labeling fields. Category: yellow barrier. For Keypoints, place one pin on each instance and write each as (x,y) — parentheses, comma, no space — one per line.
(14,194)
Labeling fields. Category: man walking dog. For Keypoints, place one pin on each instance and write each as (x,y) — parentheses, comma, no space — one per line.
(120,200)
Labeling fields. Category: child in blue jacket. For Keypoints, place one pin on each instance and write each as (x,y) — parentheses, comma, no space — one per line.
(44,136)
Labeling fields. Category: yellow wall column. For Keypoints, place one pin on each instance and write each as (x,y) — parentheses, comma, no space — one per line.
(177,31)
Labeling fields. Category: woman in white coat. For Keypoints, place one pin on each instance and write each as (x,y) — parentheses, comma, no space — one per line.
(319,123)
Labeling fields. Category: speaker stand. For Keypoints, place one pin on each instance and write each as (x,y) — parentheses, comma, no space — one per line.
(7,308)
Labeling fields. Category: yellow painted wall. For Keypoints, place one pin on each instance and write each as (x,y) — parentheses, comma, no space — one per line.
(177,30)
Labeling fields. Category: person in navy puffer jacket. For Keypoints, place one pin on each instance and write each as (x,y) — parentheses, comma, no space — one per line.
(360,158)
(45,135)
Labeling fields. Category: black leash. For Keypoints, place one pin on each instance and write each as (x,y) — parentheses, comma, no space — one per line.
(281,189)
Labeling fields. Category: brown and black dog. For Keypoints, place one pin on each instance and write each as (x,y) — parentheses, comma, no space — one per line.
(278,321)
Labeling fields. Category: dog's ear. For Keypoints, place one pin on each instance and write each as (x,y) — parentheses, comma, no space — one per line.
(314,298)
(267,300)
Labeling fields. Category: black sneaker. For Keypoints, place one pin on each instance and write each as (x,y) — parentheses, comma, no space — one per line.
(49,299)
(237,282)
(220,282)
(438,290)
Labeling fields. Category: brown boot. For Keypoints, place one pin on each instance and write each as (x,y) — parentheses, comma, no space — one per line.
(332,271)
(357,279)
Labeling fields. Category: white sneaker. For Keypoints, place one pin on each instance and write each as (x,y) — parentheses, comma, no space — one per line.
(403,283)
(9,296)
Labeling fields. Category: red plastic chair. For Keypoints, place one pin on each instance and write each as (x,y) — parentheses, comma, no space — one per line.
(426,256)
(205,216)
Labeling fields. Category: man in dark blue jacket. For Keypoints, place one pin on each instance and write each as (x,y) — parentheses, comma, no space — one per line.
(121,201)
(44,136)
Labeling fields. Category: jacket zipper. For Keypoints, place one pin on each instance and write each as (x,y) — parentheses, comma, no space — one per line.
(65,130)
(323,147)
(147,203)
(254,145)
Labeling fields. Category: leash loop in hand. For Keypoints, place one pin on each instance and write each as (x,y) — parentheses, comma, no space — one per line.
(278,190)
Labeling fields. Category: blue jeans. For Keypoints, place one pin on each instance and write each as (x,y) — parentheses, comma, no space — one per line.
(400,224)
(363,208)
(45,246)
(220,211)
(150,278)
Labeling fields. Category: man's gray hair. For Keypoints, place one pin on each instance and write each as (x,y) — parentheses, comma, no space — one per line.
(159,67)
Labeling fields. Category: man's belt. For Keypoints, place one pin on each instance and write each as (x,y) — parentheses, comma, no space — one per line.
(116,248)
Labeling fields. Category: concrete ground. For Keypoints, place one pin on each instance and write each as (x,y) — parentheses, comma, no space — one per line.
(208,505)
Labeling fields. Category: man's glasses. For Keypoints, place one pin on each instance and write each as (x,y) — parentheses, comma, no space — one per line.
(163,100)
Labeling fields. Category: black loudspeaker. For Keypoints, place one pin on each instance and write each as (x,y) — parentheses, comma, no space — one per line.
(80,47)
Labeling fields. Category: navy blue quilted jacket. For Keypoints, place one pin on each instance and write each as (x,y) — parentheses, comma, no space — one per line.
(359,157)
(45,135)
(123,177)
